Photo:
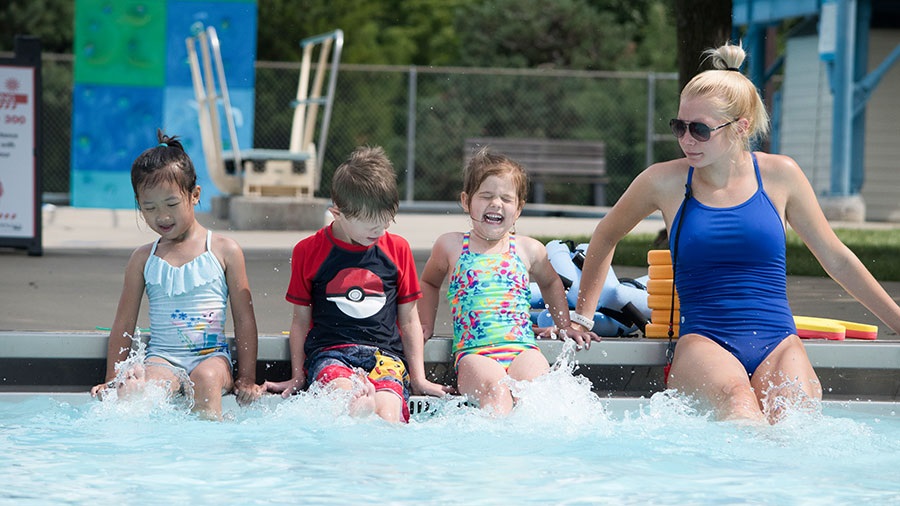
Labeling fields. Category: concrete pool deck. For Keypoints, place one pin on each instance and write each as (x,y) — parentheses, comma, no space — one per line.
(75,284)
(73,288)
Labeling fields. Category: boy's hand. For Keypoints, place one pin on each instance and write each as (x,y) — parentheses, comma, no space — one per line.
(285,388)
(425,387)
(246,392)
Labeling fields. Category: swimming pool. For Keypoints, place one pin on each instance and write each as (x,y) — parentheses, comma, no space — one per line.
(562,445)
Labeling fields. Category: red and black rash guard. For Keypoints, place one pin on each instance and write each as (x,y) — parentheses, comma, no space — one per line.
(353,290)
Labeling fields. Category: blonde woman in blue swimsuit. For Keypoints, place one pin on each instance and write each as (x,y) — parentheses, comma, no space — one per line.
(490,268)
(726,209)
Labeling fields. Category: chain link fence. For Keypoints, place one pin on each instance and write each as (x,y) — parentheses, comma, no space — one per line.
(56,125)
(423,115)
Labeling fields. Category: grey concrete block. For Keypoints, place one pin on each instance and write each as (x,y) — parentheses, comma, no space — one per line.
(277,213)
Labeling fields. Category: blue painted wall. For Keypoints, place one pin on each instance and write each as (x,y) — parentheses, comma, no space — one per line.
(132,77)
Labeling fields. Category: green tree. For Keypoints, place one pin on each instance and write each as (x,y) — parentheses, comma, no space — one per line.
(282,23)
(567,34)
(51,20)
(700,25)
(395,32)
(563,35)
(654,38)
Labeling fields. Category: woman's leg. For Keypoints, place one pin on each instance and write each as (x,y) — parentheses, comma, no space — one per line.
(786,374)
(211,378)
(704,369)
(479,377)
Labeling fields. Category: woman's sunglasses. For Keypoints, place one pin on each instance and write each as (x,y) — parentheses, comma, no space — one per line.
(699,131)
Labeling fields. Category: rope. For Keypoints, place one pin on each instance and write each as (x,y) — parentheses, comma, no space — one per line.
(670,349)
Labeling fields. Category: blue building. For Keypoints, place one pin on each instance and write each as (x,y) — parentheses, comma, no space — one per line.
(836,109)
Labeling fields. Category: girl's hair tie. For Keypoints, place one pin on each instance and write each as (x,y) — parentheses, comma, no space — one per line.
(162,145)
(733,69)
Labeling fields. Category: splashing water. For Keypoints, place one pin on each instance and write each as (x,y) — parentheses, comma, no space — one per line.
(559,398)
(788,398)
(561,445)
(132,391)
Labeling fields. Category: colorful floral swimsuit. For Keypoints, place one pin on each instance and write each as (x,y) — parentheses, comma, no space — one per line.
(489,296)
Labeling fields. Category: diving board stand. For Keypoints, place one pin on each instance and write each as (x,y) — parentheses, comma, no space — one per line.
(292,172)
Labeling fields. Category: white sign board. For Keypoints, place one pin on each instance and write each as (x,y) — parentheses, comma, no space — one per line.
(17,152)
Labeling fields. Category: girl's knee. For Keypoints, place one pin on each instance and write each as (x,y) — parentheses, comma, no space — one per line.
(480,372)
(212,376)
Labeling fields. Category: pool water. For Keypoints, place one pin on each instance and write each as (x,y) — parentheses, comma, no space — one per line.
(561,445)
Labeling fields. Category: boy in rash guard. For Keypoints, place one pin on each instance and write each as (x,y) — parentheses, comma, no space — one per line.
(354,288)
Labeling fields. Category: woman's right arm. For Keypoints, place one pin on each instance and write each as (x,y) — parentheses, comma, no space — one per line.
(123,327)
(805,216)
(638,202)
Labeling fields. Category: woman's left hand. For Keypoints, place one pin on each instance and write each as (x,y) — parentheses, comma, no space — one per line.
(580,335)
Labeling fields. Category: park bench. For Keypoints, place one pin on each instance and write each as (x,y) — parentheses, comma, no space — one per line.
(552,160)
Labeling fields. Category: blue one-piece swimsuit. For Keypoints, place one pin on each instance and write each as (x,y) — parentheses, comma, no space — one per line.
(730,275)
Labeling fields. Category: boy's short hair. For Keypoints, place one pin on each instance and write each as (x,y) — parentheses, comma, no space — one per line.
(365,185)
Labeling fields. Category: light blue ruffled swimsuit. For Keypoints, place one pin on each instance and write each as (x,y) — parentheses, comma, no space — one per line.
(187,309)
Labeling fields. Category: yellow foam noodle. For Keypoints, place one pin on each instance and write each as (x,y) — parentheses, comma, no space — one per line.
(659,330)
(660,286)
(659,257)
(811,327)
(661,272)
(860,330)
(852,330)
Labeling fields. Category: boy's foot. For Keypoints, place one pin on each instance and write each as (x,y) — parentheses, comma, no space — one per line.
(362,402)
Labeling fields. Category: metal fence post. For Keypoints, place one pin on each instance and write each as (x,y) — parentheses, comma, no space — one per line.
(411,135)
(651,112)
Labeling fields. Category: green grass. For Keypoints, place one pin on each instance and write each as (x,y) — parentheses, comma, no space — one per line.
(878,250)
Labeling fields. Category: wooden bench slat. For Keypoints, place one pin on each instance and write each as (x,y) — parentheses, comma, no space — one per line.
(563,160)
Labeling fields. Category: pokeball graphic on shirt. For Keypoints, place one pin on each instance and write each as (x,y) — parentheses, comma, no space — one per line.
(359,293)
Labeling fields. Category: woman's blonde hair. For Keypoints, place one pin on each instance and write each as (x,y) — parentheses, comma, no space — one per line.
(732,93)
